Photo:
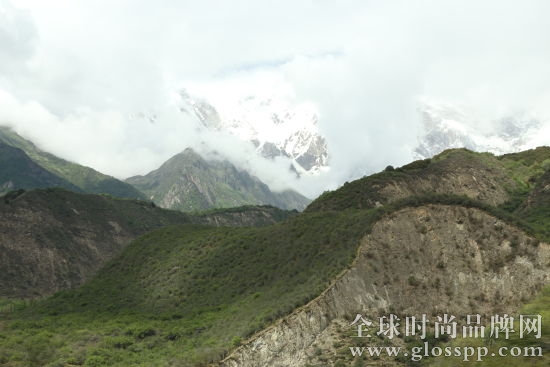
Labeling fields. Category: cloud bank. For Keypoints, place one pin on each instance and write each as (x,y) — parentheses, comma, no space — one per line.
(74,75)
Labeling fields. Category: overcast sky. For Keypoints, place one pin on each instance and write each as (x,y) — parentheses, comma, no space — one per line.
(72,72)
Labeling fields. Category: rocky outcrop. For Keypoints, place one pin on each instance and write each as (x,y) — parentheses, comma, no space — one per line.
(427,260)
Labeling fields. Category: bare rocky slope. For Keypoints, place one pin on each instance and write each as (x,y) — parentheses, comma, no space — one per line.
(430,260)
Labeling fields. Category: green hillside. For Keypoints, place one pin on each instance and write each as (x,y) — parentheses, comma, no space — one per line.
(517,183)
(84,178)
(186,295)
(17,170)
(54,239)
(189,183)
(482,176)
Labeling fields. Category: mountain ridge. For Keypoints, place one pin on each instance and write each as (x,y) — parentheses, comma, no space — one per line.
(84,178)
(484,176)
(299,339)
(190,183)
(18,170)
(273,124)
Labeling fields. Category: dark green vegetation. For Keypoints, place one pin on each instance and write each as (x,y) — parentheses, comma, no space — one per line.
(189,183)
(17,170)
(54,239)
(189,294)
(70,175)
(185,295)
(518,184)
(247,215)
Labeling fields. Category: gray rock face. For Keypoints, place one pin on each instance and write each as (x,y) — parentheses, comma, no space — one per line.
(428,260)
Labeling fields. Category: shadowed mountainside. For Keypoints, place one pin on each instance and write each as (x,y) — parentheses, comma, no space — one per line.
(81,178)
(17,170)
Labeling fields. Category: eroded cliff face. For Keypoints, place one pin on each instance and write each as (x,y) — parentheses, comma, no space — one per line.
(428,260)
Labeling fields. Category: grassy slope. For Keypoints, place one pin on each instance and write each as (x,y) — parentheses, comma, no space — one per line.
(531,200)
(188,293)
(185,295)
(85,178)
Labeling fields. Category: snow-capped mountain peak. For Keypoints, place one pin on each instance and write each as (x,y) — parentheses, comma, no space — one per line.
(445,126)
(274,123)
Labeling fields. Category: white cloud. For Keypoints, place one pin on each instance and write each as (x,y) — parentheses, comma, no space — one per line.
(74,71)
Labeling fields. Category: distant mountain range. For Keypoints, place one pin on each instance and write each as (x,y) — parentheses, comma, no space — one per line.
(278,126)
(186,182)
(275,125)
(54,235)
(445,127)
